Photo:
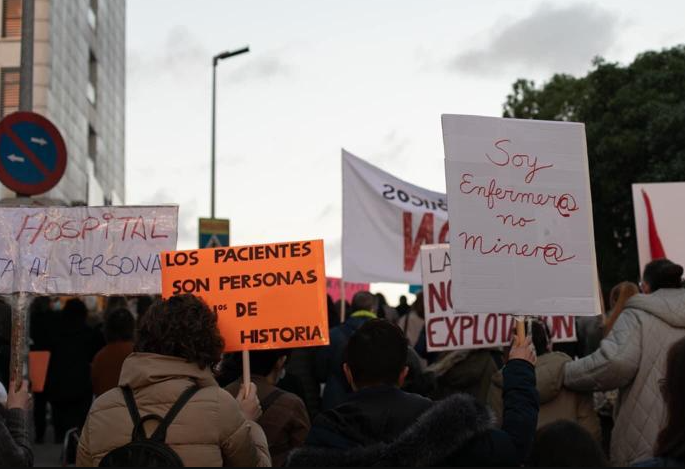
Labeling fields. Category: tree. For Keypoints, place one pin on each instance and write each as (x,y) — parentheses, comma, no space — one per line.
(634,119)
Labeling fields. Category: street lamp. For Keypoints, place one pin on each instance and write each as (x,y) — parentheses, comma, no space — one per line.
(215,61)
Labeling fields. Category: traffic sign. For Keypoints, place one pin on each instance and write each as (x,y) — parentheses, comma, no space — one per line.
(214,232)
(33,155)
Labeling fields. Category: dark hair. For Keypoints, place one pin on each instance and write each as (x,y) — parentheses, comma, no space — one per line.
(116,302)
(182,326)
(565,444)
(262,362)
(363,300)
(403,300)
(663,273)
(671,440)
(418,306)
(5,322)
(333,313)
(119,325)
(541,336)
(143,303)
(376,353)
(75,311)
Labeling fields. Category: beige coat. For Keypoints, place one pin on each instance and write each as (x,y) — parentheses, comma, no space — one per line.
(209,431)
(556,402)
(632,359)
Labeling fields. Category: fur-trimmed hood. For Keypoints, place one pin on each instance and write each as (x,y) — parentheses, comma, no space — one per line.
(439,433)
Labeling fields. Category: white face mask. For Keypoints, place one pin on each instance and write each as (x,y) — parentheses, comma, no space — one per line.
(281,375)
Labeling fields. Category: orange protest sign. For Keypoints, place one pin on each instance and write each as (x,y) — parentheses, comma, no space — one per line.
(38,369)
(266,296)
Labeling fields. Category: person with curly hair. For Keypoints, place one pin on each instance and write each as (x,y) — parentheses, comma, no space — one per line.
(176,348)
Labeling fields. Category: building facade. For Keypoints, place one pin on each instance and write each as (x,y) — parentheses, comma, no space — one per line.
(79,83)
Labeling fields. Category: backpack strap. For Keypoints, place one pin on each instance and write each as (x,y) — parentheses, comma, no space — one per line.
(160,431)
(270,399)
(131,405)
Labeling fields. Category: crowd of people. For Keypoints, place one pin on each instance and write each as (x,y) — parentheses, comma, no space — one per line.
(148,384)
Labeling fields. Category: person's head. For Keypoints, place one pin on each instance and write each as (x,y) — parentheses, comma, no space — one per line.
(542,338)
(119,326)
(182,326)
(418,305)
(75,311)
(266,363)
(661,273)
(40,305)
(621,292)
(565,444)
(671,440)
(333,314)
(363,300)
(5,322)
(143,303)
(116,302)
(376,355)
(403,300)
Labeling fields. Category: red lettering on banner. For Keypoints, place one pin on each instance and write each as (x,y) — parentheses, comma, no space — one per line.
(518,160)
(152,232)
(442,297)
(476,339)
(552,253)
(562,326)
(424,235)
(451,330)
(491,328)
(430,332)
(466,323)
(444,236)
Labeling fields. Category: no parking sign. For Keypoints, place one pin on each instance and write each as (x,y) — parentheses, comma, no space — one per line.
(33,155)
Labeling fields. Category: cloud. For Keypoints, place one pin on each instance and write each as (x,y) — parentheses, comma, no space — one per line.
(181,55)
(264,67)
(394,145)
(551,39)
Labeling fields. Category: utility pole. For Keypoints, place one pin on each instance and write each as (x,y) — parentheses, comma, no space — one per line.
(215,61)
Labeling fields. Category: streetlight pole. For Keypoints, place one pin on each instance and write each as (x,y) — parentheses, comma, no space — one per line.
(215,61)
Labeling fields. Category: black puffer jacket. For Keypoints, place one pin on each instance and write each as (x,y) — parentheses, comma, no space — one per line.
(455,432)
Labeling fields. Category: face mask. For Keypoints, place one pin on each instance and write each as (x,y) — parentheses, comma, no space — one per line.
(282,374)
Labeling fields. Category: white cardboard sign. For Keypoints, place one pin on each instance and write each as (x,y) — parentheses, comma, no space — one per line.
(447,329)
(521,215)
(666,199)
(385,222)
(85,250)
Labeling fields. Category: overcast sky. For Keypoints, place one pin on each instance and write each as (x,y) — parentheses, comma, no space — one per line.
(371,76)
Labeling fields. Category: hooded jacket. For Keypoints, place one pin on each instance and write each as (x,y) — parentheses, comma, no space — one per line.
(209,431)
(457,431)
(556,402)
(632,358)
(371,415)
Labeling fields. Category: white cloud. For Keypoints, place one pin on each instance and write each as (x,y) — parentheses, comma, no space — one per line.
(551,39)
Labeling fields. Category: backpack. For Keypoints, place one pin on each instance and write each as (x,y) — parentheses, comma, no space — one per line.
(143,451)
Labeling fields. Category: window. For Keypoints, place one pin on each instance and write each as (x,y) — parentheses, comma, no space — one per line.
(91,91)
(11,18)
(9,91)
(93,14)
(92,144)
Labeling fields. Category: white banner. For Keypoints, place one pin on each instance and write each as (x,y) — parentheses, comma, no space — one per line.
(666,200)
(447,329)
(85,250)
(385,222)
(521,214)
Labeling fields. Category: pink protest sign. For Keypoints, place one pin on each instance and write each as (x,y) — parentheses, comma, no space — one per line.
(333,285)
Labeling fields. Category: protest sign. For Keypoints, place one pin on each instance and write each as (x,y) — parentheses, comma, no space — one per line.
(385,222)
(38,369)
(334,287)
(661,236)
(448,329)
(84,250)
(520,209)
(266,296)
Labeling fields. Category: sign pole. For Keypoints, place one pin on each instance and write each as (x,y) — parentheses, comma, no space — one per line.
(343,300)
(20,338)
(520,330)
(247,379)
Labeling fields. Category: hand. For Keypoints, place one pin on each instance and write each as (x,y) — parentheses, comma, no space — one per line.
(249,403)
(18,399)
(524,351)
